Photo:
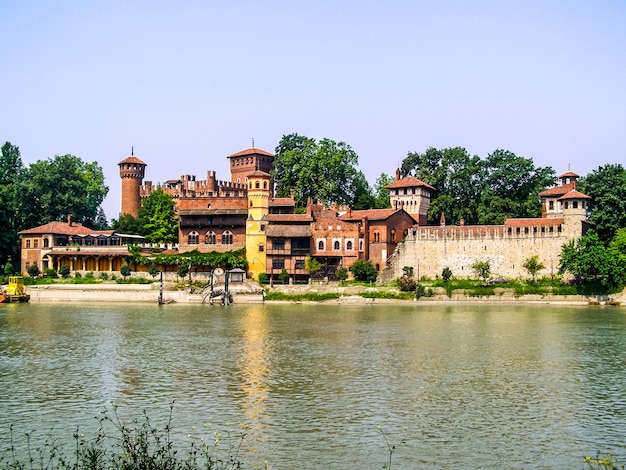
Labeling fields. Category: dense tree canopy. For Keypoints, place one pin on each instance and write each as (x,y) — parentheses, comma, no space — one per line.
(60,186)
(607,188)
(158,217)
(324,171)
(479,191)
(46,191)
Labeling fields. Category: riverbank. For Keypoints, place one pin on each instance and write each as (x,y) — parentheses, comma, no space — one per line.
(251,292)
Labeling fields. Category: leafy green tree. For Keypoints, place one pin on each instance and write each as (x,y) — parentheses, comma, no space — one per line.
(533,266)
(381,193)
(60,186)
(11,189)
(101,220)
(125,270)
(479,191)
(588,258)
(511,187)
(283,276)
(482,269)
(342,274)
(183,270)
(312,265)
(446,274)
(455,175)
(158,217)
(153,270)
(324,170)
(607,188)
(128,225)
(64,271)
(364,271)
(33,270)
(8,268)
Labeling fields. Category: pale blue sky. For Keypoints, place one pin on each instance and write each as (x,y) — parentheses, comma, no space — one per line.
(189,82)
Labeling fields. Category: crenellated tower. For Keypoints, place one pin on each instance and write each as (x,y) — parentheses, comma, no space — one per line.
(132,172)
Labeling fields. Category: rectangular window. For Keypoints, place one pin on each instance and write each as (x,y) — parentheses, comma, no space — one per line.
(35,243)
(28,243)
(261,248)
(299,264)
(278,263)
(278,244)
(551,205)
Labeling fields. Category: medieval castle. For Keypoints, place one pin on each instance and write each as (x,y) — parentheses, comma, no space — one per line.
(243,212)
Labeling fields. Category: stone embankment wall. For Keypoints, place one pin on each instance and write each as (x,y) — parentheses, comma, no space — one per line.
(428,252)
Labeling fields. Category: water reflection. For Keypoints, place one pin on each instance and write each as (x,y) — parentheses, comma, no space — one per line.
(465,386)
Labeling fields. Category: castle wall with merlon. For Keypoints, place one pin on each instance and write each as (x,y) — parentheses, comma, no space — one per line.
(428,250)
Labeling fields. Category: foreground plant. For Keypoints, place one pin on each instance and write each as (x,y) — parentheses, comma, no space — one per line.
(120,446)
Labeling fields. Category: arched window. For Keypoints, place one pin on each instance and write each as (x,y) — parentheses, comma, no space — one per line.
(320,245)
(575,205)
(264,184)
(376,236)
(566,205)
(209,238)
(349,245)
(227,238)
(46,243)
(193,238)
(256,185)
(393,235)
(336,245)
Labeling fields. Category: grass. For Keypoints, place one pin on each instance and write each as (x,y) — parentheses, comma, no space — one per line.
(306,297)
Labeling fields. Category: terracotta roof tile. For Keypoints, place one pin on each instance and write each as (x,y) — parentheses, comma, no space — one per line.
(282,201)
(251,151)
(62,228)
(408,182)
(554,192)
(293,218)
(574,194)
(372,214)
(132,159)
(536,222)
(571,174)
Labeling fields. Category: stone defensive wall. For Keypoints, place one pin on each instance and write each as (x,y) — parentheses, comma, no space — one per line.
(428,250)
(188,186)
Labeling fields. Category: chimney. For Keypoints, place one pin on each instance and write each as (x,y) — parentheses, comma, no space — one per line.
(442,220)
(69,219)
(397,174)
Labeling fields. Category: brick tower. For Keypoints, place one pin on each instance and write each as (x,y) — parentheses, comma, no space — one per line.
(247,162)
(132,171)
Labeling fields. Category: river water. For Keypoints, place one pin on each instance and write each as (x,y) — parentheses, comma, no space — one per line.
(451,386)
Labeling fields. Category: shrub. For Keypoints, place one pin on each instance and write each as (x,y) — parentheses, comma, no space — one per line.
(77,275)
(406,284)
(364,271)
(64,271)
(50,273)
(446,274)
(284,276)
(262,278)
(342,274)
(153,270)
(8,268)
(89,275)
(125,270)
(104,276)
(33,270)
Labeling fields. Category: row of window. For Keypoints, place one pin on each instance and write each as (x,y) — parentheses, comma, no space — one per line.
(279,263)
(565,205)
(210,238)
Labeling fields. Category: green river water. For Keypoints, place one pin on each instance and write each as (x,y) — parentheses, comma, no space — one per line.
(456,385)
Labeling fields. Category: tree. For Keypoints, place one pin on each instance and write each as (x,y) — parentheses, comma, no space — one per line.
(533,266)
(455,175)
(125,270)
(511,187)
(479,191)
(33,270)
(11,184)
(60,186)
(64,271)
(128,225)
(364,271)
(446,274)
(342,274)
(482,269)
(153,270)
(158,217)
(324,171)
(607,188)
(381,193)
(312,265)
(588,258)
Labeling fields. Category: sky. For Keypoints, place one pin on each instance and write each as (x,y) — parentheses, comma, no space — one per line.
(185,84)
